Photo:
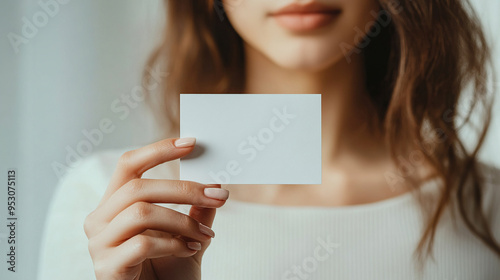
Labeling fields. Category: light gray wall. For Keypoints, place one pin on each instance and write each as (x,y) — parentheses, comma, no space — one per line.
(61,82)
(9,108)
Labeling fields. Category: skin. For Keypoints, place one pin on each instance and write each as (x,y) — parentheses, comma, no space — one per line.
(129,235)
(130,238)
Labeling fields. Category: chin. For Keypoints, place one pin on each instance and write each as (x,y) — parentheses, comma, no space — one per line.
(305,58)
(304,65)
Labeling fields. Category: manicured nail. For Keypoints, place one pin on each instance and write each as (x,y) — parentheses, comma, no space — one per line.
(185,142)
(216,193)
(206,230)
(194,246)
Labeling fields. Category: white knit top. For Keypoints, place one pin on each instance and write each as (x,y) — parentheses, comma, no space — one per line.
(255,241)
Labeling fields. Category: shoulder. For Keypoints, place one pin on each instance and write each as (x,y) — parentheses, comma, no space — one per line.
(77,194)
(87,178)
(81,188)
(94,172)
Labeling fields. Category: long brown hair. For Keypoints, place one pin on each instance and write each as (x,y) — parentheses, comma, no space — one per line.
(418,69)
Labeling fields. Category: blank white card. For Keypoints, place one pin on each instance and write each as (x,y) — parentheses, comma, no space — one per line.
(252,138)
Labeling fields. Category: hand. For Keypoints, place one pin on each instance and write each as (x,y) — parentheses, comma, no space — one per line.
(132,238)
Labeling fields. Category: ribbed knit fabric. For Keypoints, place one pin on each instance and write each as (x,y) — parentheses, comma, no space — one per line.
(255,241)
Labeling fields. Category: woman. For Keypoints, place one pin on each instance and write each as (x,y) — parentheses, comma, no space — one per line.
(401,196)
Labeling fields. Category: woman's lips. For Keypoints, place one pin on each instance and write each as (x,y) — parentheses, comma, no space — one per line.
(303,18)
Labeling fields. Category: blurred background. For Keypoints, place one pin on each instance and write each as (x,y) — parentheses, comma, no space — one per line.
(63,68)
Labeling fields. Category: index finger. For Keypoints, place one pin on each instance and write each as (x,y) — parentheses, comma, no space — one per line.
(134,163)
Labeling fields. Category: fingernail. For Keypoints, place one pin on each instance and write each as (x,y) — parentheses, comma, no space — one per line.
(206,230)
(194,246)
(185,142)
(216,193)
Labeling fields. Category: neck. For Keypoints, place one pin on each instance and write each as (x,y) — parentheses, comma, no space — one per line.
(346,109)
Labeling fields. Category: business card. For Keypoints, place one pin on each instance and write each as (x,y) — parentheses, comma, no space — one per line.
(252,138)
